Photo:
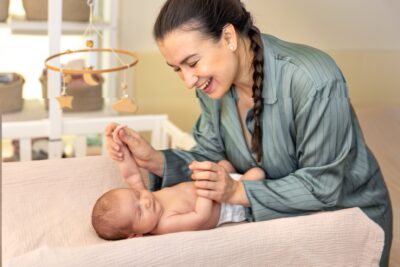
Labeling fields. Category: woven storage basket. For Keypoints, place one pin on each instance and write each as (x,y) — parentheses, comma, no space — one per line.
(86,97)
(72,10)
(11,94)
(4,10)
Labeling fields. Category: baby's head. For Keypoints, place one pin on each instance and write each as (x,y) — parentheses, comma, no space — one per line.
(125,212)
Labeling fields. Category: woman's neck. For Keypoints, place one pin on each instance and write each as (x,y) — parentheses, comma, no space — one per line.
(244,78)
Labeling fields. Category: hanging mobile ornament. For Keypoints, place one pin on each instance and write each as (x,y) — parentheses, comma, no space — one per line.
(64,100)
(87,76)
(125,104)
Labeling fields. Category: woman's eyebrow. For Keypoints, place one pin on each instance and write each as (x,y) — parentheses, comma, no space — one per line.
(183,61)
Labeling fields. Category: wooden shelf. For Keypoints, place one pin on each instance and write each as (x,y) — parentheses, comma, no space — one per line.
(19,25)
(34,118)
(34,110)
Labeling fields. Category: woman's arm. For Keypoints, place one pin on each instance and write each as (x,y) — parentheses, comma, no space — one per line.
(325,147)
(145,155)
(169,167)
(209,146)
(325,138)
(213,181)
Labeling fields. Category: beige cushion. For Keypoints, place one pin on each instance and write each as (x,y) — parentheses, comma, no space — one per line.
(46,222)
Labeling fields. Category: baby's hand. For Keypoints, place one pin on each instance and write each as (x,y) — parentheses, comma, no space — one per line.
(115,134)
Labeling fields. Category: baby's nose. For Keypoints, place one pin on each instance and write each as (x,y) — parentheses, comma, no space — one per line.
(146,203)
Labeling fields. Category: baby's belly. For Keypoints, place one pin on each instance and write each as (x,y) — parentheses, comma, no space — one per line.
(190,203)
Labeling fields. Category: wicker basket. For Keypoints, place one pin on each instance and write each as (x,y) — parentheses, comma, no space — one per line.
(86,97)
(11,94)
(72,10)
(4,10)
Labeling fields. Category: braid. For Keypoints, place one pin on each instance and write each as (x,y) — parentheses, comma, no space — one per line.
(258,76)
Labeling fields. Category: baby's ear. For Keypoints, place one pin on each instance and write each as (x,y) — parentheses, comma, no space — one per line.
(135,235)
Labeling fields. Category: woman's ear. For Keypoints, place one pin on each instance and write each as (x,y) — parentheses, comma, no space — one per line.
(229,37)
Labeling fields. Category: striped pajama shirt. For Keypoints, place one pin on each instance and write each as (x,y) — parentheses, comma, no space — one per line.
(314,153)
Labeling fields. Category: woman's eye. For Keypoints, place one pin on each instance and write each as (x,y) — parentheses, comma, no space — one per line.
(177,69)
(192,65)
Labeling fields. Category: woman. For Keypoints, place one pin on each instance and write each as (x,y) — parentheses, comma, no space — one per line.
(264,102)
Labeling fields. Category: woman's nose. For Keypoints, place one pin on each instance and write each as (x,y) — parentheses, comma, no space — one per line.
(189,78)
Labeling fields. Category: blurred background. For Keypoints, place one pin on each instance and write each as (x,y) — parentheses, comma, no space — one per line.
(362,36)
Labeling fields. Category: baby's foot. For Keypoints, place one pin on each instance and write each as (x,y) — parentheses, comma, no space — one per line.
(115,134)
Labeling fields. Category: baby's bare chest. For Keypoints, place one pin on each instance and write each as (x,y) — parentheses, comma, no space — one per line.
(179,199)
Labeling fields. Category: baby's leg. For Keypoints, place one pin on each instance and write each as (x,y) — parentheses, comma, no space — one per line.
(128,167)
(253,174)
(227,166)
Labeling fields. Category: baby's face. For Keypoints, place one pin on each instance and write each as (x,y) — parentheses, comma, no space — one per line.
(143,210)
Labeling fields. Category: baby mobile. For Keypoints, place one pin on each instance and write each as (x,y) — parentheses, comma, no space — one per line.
(125,104)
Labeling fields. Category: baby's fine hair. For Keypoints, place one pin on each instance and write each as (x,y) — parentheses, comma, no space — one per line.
(104,215)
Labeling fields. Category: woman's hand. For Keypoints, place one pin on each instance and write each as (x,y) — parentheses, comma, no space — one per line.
(145,155)
(113,149)
(212,181)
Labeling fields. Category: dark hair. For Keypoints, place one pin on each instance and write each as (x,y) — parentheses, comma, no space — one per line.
(103,217)
(210,17)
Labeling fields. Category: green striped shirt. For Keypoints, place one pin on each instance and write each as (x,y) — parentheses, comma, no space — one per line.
(314,153)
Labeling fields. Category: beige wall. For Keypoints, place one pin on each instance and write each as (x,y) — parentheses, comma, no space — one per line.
(362,36)
(373,76)
(159,90)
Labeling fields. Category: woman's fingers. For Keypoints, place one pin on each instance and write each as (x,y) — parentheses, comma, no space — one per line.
(205,185)
(204,175)
(215,184)
(132,133)
(204,166)
(114,154)
(129,137)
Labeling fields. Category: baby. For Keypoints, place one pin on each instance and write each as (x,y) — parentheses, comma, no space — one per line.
(132,212)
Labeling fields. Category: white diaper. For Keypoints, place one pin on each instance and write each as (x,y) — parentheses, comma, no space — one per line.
(230,212)
(235,176)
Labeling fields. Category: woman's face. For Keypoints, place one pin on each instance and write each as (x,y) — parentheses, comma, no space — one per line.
(208,65)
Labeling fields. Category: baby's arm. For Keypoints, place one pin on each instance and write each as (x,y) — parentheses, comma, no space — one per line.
(253,174)
(127,167)
(189,221)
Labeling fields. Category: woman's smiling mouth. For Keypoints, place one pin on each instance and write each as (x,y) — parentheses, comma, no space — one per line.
(206,86)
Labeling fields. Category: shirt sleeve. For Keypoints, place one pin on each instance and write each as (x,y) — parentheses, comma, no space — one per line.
(324,139)
(208,146)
